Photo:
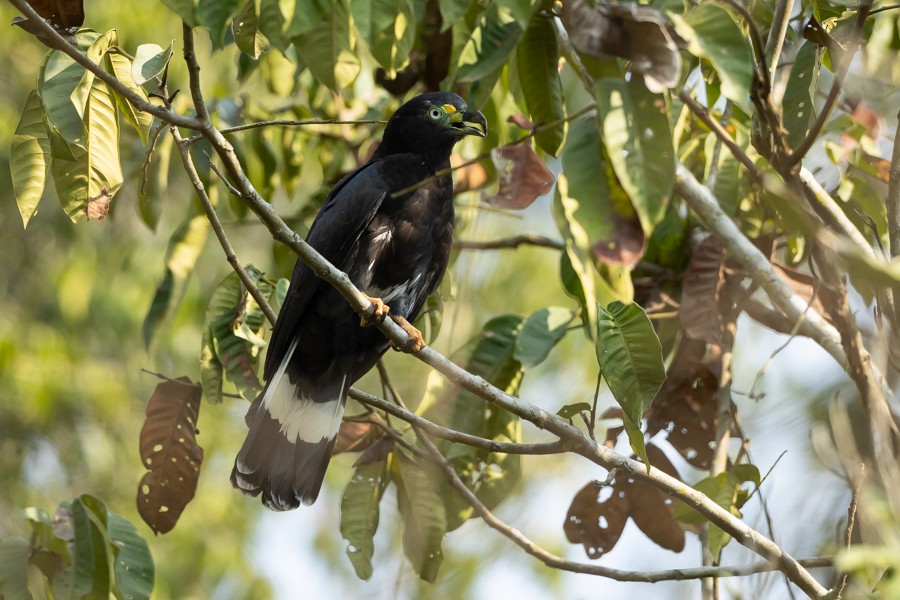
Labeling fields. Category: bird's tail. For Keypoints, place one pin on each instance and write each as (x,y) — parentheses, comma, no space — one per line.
(293,426)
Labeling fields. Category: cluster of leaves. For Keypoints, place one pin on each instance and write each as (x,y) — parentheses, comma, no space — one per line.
(83,551)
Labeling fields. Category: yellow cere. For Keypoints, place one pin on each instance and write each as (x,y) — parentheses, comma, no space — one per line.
(449,108)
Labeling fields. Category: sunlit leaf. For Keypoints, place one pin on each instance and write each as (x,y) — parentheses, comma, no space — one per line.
(494,38)
(150,61)
(577,256)
(393,33)
(360,513)
(29,157)
(121,66)
(638,139)
(14,557)
(169,451)
(711,33)
(59,76)
(631,360)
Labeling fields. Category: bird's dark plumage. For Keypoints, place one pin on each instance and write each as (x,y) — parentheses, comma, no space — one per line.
(393,248)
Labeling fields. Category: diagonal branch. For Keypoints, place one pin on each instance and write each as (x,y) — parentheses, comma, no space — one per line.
(523,239)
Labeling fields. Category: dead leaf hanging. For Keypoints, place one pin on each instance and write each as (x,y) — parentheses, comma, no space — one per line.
(523,176)
(170,452)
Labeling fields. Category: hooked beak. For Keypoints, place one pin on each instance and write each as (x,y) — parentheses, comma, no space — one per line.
(469,123)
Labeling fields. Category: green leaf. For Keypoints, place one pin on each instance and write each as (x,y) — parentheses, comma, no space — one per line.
(638,139)
(799,109)
(727,181)
(570,410)
(452,11)
(537,59)
(328,47)
(102,124)
(14,557)
(247,35)
(577,259)
(234,328)
(58,78)
(184,249)
(711,33)
(393,33)
(120,66)
(631,360)
(214,15)
(360,512)
(492,41)
(29,157)
(133,564)
(95,53)
(271,23)
(150,61)
(186,9)
(91,559)
(539,333)
(422,513)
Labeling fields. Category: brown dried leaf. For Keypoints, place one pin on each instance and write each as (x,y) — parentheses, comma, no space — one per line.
(641,34)
(353,436)
(97,208)
(703,281)
(596,518)
(523,176)
(376,452)
(651,509)
(626,245)
(520,121)
(686,406)
(170,452)
(598,512)
(61,14)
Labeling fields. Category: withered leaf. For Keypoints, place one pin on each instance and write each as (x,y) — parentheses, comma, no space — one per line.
(170,452)
(65,16)
(353,436)
(523,176)
(626,245)
(97,208)
(641,34)
(598,513)
(703,281)
(686,405)
(376,452)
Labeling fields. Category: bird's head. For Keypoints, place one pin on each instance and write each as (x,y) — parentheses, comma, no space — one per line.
(431,122)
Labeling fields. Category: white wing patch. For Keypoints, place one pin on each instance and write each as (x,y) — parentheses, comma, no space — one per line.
(300,418)
(395,291)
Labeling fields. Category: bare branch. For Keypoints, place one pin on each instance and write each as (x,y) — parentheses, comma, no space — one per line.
(134,99)
(288,123)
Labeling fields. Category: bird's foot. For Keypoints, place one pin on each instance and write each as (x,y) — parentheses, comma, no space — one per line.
(378,315)
(414,343)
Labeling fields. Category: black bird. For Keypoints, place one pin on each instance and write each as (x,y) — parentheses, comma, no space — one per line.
(395,249)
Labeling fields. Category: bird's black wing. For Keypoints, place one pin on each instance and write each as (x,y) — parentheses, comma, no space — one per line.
(334,233)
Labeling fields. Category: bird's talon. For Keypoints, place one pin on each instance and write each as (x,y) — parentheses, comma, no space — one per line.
(415,342)
(378,315)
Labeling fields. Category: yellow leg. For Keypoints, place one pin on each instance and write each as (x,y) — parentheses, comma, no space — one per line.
(415,343)
(381,311)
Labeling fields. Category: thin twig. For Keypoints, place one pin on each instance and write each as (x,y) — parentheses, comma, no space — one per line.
(288,123)
(213,218)
(451,435)
(780,22)
(848,531)
(523,239)
(854,41)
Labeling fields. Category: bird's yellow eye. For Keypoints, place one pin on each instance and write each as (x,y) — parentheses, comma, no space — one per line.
(435,113)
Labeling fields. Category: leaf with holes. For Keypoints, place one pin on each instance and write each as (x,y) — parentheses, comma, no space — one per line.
(29,158)
(799,109)
(700,314)
(133,564)
(360,511)
(631,361)
(522,174)
(182,254)
(170,452)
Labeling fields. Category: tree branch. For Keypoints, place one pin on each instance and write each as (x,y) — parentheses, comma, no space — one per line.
(141,104)
(780,22)
(287,123)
